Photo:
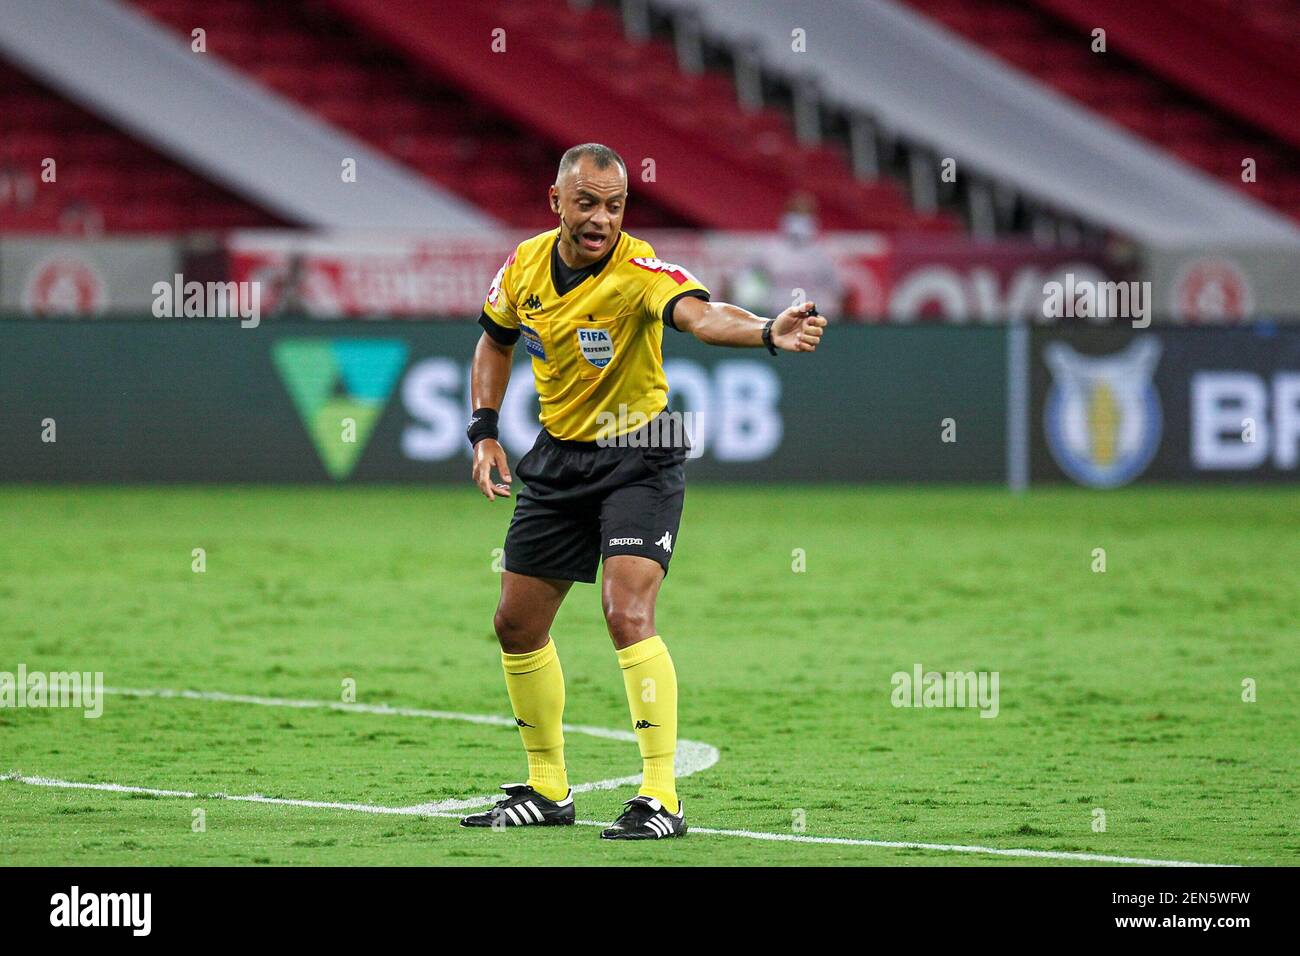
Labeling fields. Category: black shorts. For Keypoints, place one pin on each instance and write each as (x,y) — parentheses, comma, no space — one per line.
(583,502)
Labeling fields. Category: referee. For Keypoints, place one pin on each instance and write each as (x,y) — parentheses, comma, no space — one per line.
(605,479)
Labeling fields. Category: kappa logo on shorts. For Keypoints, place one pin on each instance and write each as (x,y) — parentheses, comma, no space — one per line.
(597,346)
(616,542)
(666,542)
(532,342)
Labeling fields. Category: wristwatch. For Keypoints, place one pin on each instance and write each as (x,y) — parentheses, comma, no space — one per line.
(767,336)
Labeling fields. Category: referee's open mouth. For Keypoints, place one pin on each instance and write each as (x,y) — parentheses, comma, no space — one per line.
(592,240)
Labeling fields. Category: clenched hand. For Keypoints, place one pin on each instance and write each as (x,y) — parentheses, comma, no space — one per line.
(798,329)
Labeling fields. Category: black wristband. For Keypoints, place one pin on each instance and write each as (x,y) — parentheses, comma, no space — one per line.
(767,336)
(482,425)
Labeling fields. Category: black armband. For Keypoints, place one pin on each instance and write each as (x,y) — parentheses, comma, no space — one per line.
(672,304)
(497,333)
(482,425)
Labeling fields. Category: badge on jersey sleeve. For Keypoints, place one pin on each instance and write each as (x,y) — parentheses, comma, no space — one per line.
(679,274)
(494,293)
(596,345)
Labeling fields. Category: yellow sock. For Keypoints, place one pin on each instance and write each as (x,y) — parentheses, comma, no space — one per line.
(536,687)
(651,685)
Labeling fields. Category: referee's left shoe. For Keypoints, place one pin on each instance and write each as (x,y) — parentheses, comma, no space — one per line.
(646,819)
(523,806)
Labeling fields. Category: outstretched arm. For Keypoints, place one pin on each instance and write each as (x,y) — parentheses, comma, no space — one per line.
(489,376)
(797,329)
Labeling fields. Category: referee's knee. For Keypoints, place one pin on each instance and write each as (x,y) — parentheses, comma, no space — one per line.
(628,623)
(516,633)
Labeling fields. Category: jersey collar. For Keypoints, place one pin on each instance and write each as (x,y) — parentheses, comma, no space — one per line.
(576,276)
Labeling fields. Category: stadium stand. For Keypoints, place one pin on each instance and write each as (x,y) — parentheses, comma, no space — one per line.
(1001,125)
(211,117)
(637,93)
(461,145)
(111,181)
(307,53)
(423,105)
(1172,74)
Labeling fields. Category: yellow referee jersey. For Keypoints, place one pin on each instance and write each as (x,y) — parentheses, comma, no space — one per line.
(598,345)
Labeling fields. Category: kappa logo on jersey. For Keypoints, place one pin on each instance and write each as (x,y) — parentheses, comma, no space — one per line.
(666,542)
(1102,416)
(671,269)
(532,342)
(597,346)
(532,302)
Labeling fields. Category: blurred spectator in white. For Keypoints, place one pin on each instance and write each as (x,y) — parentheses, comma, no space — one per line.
(17,186)
(793,259)
(79,218)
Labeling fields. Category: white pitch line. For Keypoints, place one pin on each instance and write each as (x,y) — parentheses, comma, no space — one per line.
(948,848)
(109,787)
(698,757)
(240,798)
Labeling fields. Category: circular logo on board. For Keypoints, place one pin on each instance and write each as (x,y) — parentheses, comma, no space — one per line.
(64,284)
(1212,290)
(1102,417)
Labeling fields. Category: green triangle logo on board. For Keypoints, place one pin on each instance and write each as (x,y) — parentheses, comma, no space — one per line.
(334,380)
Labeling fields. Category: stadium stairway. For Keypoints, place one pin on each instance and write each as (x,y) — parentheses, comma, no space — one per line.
(714,164)
(1148,102)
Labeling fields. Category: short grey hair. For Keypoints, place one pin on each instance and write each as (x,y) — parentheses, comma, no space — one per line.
(601,155)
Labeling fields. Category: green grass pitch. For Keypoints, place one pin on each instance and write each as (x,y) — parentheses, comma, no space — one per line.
(1119,691)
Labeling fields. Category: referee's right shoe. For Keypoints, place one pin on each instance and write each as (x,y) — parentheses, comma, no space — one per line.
(522,807)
